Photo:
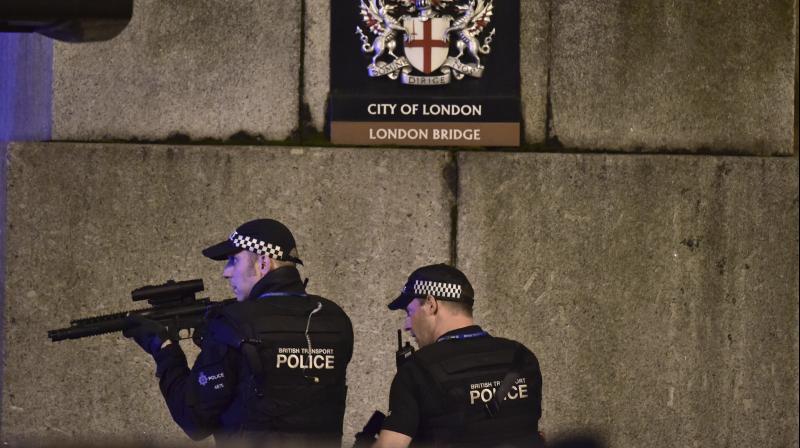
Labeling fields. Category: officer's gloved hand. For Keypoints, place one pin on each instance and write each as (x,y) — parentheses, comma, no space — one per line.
(149,334)
(368,435)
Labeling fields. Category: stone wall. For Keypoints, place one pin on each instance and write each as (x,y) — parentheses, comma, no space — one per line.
(655,76)
(660,291)
(25,114)
(683,77)
(199,70)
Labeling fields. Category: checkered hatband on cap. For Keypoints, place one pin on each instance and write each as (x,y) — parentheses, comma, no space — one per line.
(437,289)
(256,246)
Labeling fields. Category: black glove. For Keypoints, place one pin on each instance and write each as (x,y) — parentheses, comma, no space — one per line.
(148,333)
(367,436)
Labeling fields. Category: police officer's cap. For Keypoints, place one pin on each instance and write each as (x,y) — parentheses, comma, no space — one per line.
(261,236)
(438,280)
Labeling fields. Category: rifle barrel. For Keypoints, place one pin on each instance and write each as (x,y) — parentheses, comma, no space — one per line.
(77,332)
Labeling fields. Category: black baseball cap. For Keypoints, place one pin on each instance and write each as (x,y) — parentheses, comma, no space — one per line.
(438,280)
(261,236)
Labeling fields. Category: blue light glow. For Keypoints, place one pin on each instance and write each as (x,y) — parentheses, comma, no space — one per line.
(26,80)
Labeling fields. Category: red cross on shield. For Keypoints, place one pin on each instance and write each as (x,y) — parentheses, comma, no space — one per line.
(426,50)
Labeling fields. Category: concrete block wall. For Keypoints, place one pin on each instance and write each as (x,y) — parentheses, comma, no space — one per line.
(201,70)
(658,76)
(659,291)
(650,77)
(25,114)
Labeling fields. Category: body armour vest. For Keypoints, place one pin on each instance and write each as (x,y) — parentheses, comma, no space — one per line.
(295,349)
(463,376)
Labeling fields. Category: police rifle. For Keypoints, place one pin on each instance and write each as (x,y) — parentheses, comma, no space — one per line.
(172,304)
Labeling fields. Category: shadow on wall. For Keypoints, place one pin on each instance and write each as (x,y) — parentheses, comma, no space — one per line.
(578,439)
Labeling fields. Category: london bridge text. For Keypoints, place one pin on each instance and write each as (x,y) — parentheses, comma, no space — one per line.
(424,134)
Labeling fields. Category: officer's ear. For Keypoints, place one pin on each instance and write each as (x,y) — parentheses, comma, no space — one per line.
(434,304)
(264,264)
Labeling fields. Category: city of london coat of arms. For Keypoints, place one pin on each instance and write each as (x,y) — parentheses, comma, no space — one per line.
(423,30)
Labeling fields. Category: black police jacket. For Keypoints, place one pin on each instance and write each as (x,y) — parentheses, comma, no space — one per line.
(270,367)
(444,394)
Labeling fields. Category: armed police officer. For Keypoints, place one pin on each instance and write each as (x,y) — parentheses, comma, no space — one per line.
(272,364)
(463,387)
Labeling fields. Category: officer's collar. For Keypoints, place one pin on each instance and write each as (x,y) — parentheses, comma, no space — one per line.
(285,279)
(469,330)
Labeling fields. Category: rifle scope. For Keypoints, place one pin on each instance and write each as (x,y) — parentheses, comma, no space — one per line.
(169,291)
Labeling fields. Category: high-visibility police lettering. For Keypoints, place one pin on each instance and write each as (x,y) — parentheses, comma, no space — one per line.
(486,394)
(293,361)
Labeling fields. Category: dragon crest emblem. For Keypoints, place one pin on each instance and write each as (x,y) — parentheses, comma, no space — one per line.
(438,40)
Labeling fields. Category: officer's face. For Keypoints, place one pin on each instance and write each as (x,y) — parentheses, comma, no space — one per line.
(242,273)
(417,322)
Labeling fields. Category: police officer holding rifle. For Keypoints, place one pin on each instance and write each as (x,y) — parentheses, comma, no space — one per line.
(272,364)
(463,387)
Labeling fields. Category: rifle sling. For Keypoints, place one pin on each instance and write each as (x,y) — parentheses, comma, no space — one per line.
(493,405)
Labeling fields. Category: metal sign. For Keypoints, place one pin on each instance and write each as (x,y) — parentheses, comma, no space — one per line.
(425,72)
